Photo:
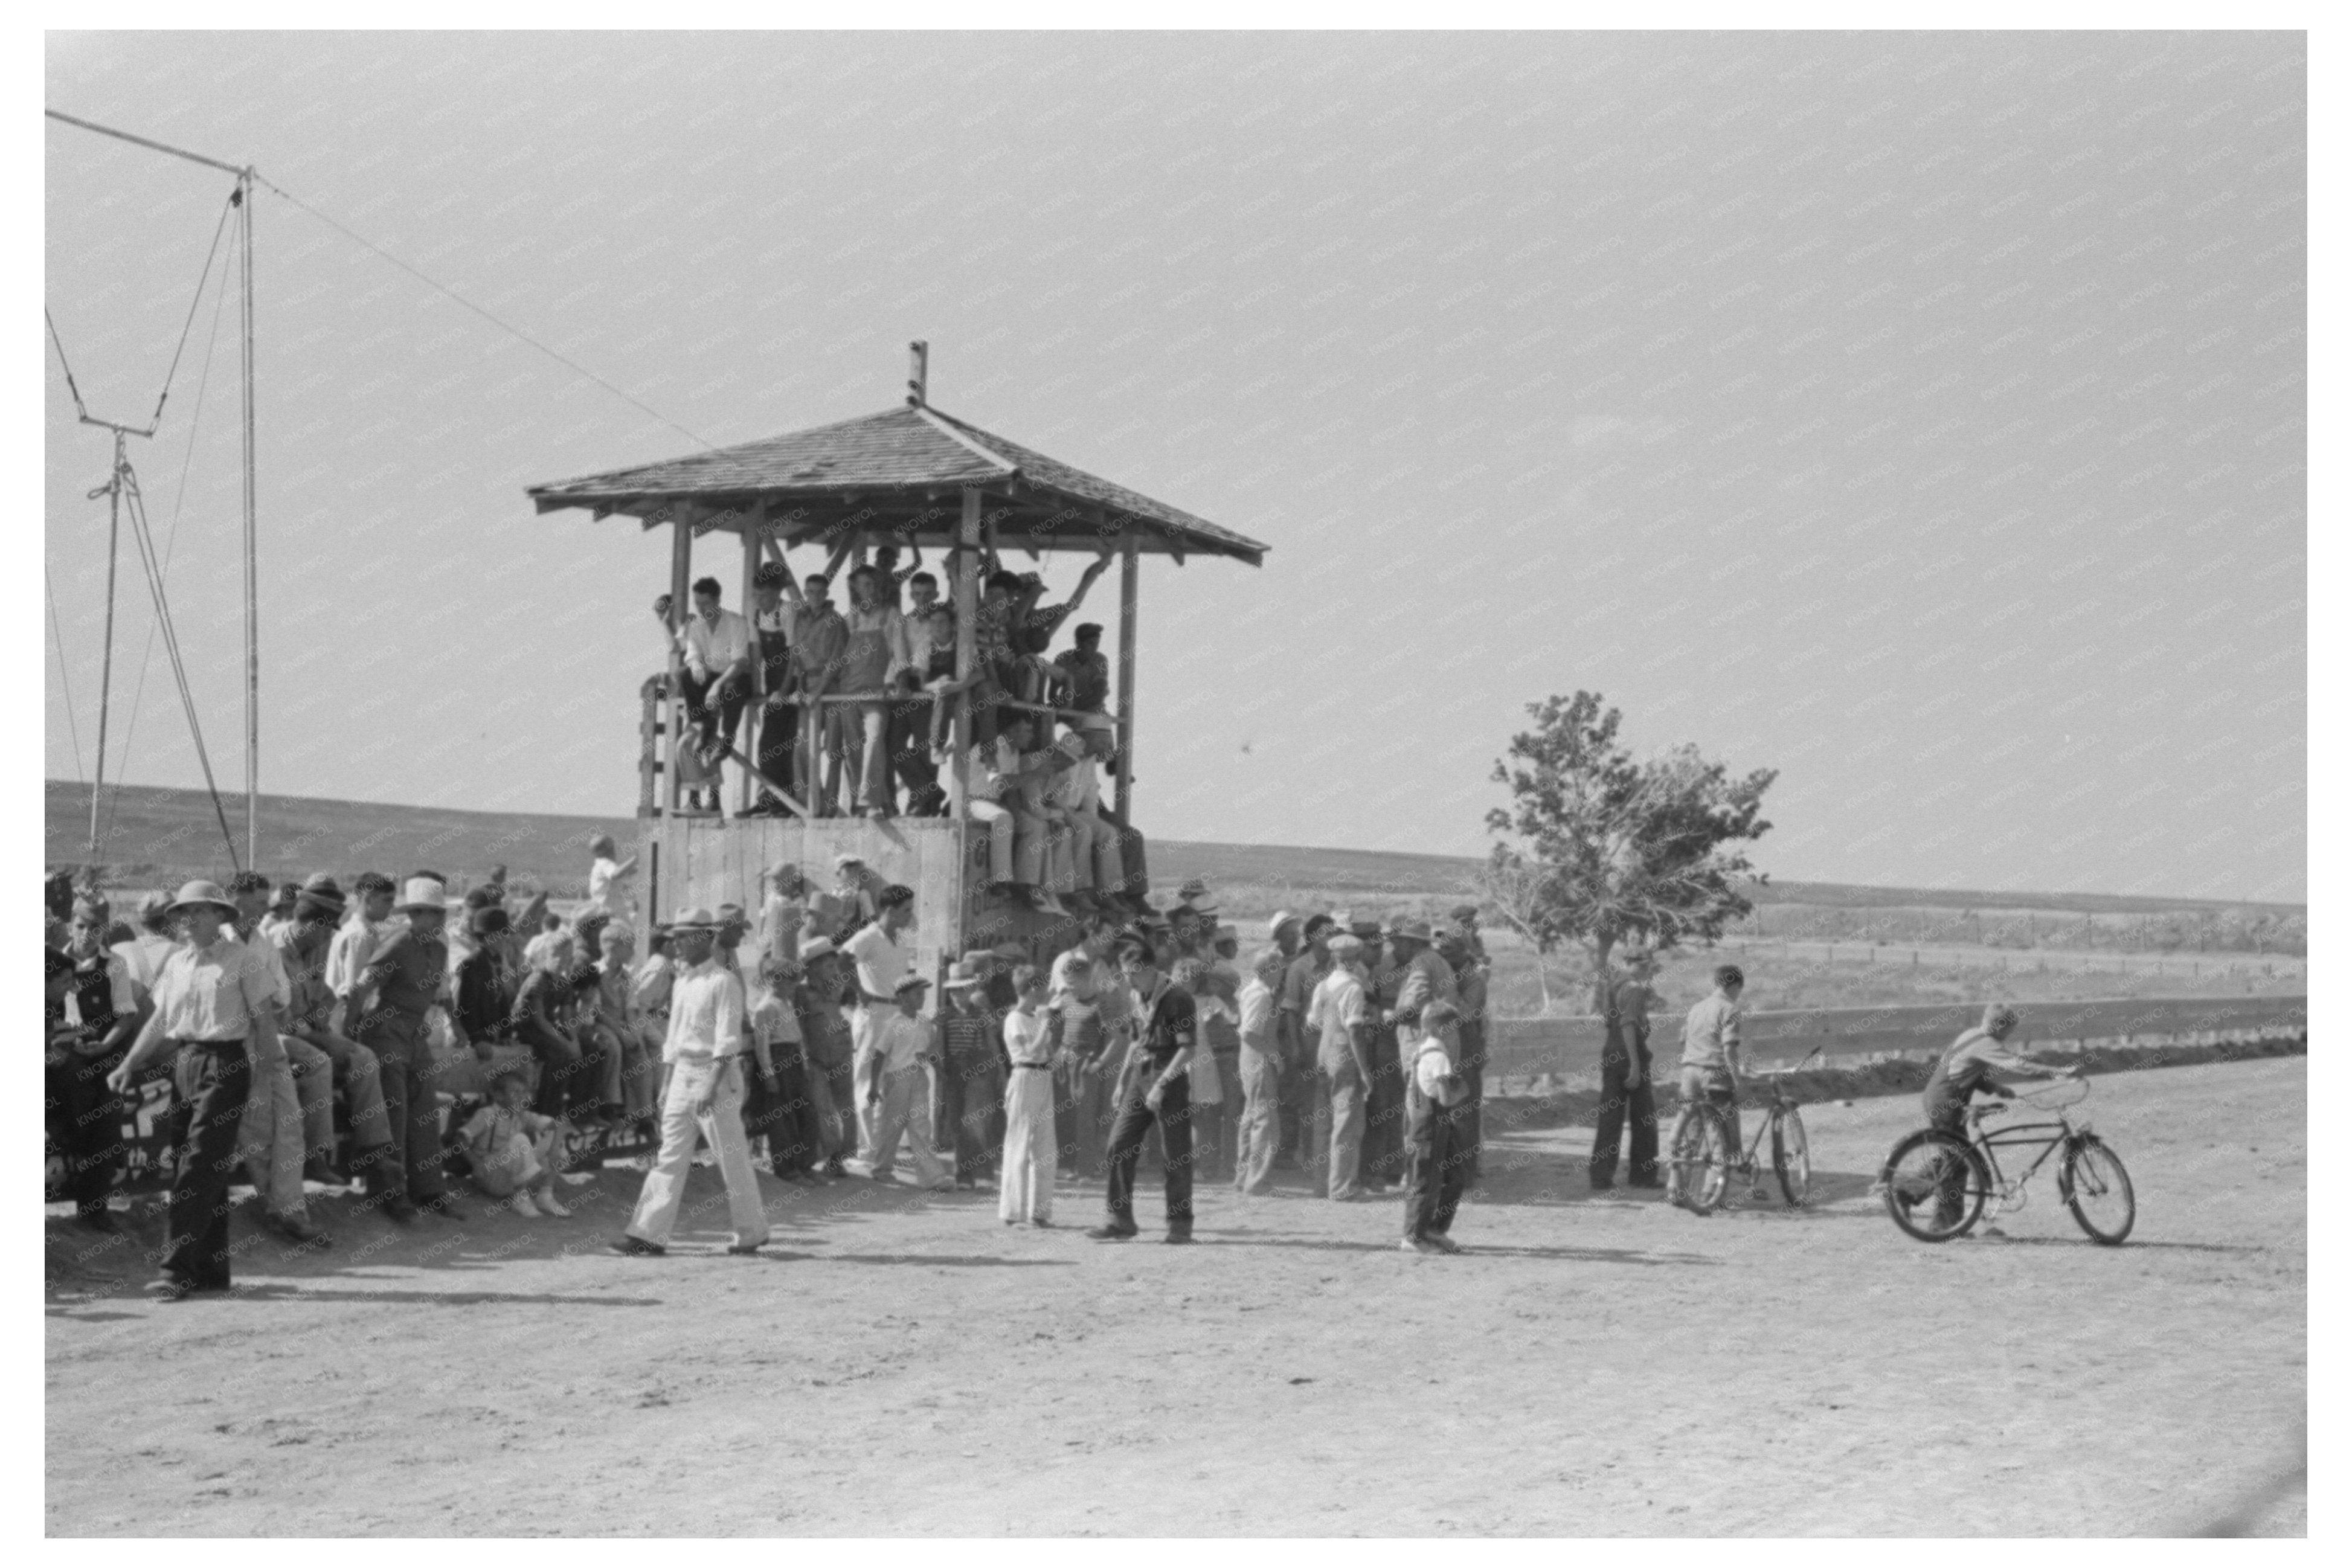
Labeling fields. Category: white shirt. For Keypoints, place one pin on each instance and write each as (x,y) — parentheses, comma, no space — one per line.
(1078,787)
(881,962)
(602,891)
(1257,1016)
(121,995)
(212,993)
(899,1040)
(1339,1004)
(1027,1039)
(144,957)
(1432,1073)
(348,953)
(265,953)
(706,1014)
(711,646)
(1710,1031)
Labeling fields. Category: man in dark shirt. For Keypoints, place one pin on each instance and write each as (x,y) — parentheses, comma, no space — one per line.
(1625,1088)
(406,974)
(1153,1087)
(1084,673)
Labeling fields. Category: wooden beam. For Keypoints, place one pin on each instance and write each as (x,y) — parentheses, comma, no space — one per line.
(966,591)
(744,606)
(1128,576)
(681,570)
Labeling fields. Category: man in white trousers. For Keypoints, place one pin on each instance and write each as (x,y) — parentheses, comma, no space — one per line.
(704,1102)
(1025,1187)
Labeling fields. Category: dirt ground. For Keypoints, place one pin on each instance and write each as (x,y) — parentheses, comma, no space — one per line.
(1596,1364)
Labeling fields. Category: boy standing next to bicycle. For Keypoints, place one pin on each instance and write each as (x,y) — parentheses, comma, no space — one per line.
(1964,1072)
(1711,1066)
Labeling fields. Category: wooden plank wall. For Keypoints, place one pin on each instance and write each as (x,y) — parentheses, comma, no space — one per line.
(1525,1047)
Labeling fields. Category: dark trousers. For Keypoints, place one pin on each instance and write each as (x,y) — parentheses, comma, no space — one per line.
(780,1108)
(833,1097)
(908,740)
(1439,1170)
(1294,1104)
(564,1079)
(1617,1102)
(412,1161)
(1082,1117)
(1385,1138)
(727,718)
(210,1082)
(1473,1070)
(1227,1124)
(972,1101)
(1135,1121)
(85,1123)
(780,729)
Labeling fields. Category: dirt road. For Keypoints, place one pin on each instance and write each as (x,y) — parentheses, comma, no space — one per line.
(895,1365)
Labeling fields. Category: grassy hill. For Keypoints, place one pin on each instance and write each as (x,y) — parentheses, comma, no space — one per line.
(165,836)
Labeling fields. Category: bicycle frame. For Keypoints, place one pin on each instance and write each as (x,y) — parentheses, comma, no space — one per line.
(1772,1109)
(2050,1136)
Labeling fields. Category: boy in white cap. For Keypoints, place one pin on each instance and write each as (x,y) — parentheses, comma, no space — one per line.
(891,1076)
(703,1101)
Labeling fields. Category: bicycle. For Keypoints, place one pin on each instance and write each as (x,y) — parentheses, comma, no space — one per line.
(1704,1160)
(1935,1184)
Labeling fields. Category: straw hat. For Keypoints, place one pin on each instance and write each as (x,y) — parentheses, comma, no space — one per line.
(421,893)
(192,893)
(694,917)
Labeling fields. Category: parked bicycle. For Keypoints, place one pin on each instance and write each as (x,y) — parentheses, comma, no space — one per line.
(1706,1160)
(1937,1184)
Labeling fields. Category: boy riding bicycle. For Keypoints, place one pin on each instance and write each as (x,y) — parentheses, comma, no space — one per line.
(1964,1072)
(1711,1066)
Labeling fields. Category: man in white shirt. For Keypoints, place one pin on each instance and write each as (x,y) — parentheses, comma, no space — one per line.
(716,680)
(1016,834)
(1342,1015)
(354,946)
(704,1100)
(1096,865)
(879,962)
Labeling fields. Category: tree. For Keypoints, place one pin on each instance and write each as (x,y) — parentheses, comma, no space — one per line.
(1599,845)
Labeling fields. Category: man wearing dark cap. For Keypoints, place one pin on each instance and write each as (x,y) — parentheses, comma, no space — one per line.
(1082,673)
(1152,1088)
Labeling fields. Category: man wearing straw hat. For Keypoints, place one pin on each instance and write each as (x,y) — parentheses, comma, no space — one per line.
(212,1001)
(405,975)
(703,1101)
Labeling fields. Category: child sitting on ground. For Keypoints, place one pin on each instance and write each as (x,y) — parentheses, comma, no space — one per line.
(513,1149)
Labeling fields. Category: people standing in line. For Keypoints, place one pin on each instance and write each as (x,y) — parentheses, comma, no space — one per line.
(103,1013)
(890,1076)
(1152,1089)
(213,1002)
(1345,1022)
(1711,1065)
(969,1081)
(1259,1133)
(1434,1137)
(702,1099)
(1025,1186)
(1626,1082)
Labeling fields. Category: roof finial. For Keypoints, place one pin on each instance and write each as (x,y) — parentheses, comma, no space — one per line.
(918,373)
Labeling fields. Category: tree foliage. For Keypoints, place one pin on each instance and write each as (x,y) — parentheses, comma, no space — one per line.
(1599,846)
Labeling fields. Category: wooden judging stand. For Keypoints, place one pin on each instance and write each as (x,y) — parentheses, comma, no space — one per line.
(908,477)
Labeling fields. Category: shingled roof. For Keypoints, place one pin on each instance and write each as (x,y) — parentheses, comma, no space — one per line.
(895,470)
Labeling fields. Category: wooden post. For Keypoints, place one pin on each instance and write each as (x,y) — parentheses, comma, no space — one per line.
(1127,596)
(681,570)
(966,589)
(751,521)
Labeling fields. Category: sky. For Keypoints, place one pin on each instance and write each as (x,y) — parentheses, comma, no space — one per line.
(1922,416)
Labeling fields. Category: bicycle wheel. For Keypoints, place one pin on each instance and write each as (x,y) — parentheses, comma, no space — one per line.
(1792,1157)
(2098,1190)
(1934,1185)
(1699,1165)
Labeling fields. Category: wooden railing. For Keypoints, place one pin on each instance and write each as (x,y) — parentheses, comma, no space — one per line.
(1525,1048)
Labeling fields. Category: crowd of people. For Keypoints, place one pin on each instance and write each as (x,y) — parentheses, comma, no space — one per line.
(851,713)
(382,1039)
